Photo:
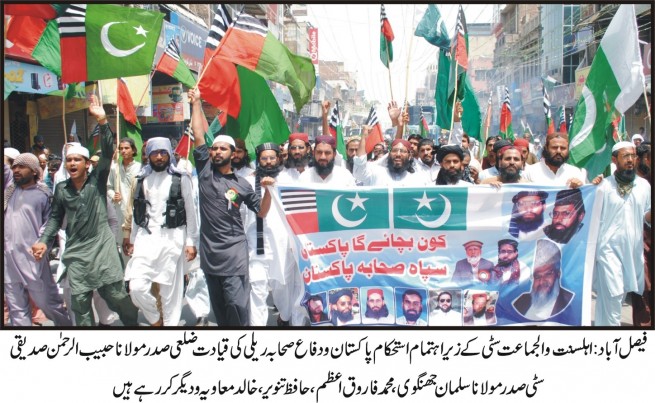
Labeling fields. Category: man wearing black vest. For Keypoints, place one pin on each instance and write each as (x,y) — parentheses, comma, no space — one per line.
(223,245)
(163,224)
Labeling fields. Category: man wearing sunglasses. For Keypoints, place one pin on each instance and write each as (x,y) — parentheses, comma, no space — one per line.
(444,314)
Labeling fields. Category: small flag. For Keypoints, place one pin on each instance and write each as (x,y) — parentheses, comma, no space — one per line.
(562,120)
(298,123)
(386,37)
(549,119)
(94,139)
(173,65)
(506,131)
(425,130)
(375,135)
(460,47)
(186,143)
(129,125)
(336,129)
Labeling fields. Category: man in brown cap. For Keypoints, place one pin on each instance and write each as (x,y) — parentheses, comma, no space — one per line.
(297,160)
(474,268)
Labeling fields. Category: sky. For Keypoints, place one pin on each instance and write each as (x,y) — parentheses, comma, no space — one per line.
(351,33)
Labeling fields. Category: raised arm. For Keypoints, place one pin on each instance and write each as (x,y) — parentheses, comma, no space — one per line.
(326,110)
(196,117)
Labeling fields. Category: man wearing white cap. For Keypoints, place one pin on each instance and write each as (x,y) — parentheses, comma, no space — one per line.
(619,255)
(163,233)
(91,258)
(223,245)
(9,155)
(637,139)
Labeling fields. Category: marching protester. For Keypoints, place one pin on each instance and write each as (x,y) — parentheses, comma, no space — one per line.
(223,246)
(27,207)
(91,258)
(620,253)
(164,233)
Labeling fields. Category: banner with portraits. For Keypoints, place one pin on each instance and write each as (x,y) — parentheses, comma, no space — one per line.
(444,255)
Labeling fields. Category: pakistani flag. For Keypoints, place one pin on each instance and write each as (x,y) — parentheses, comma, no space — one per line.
(432,27)
(348,210)
(614,83)
(314,210)
(101,41)
(442,208)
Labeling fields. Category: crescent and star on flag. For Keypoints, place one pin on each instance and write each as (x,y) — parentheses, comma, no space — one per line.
(114,51)
(358,202)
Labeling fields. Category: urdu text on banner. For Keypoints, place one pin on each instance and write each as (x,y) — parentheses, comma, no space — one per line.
(518,255)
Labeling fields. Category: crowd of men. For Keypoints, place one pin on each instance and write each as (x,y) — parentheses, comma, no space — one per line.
(147,236)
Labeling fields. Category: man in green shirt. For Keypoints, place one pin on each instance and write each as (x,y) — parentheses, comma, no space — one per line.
(91,258)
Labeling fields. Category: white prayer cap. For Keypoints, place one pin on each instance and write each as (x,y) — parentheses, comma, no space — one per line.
(11,152)
(637,136)
(475,164)
(224,139)
(78,149)
(622,144)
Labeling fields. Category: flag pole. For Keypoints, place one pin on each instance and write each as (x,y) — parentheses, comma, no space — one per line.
(117,184)
(409,54)
(452,116)
(63,117)
(389,68)
(147,86)
(188,149)
(647,106)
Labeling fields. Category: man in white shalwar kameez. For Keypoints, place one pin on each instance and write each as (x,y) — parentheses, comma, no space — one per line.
(270,258)
(619,265)
(156,269)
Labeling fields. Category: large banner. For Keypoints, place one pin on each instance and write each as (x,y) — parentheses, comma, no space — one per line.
(445,256)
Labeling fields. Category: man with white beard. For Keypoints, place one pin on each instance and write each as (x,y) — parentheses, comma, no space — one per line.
(474,267)
(547,297)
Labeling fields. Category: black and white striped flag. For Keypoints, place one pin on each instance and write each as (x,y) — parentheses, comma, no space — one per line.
(222,21)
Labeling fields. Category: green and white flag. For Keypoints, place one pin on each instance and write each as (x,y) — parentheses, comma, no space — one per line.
(614,84)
